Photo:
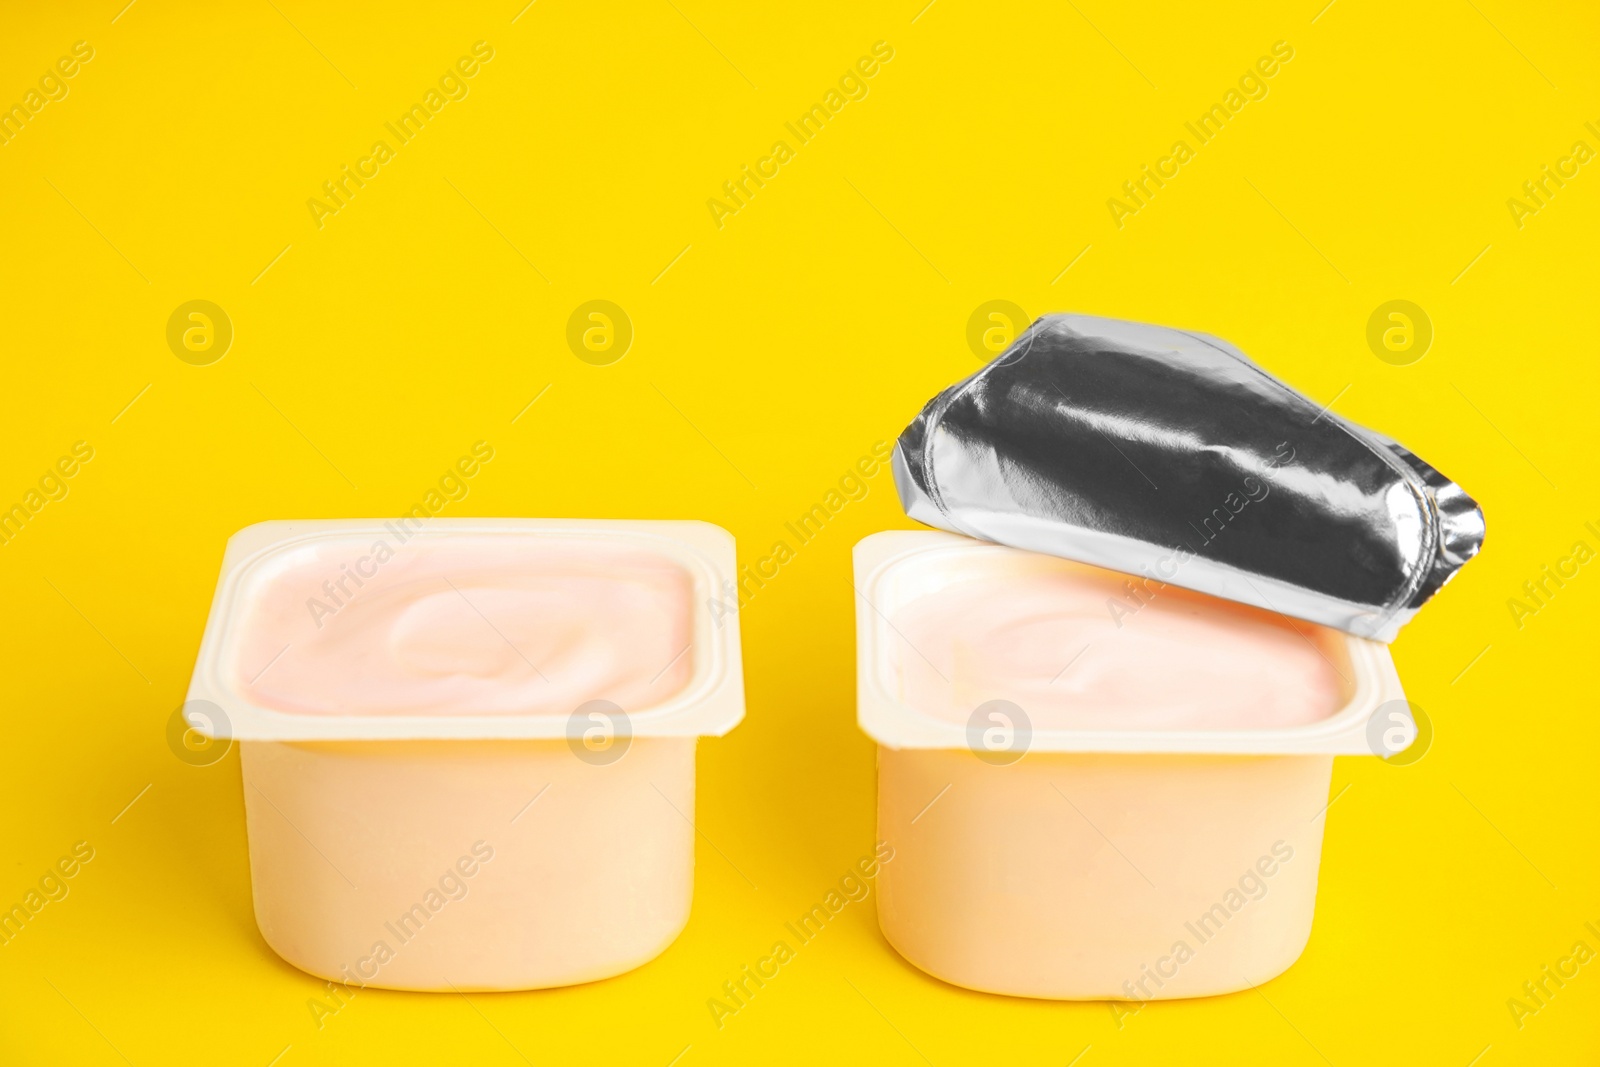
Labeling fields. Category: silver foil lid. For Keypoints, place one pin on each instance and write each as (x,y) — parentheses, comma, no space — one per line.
(1171,456)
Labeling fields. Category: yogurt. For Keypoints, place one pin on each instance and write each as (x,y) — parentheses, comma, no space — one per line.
(1114,840)
(1081,648)
(467,751)
(484,624)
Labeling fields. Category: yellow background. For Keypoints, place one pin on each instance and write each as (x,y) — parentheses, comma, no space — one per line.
(766,360)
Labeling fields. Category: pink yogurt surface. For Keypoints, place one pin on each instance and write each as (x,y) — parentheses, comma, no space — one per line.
(1050,642)
(468,624)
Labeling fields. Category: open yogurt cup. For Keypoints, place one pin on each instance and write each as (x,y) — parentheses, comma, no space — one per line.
(468,744)
(1146,829)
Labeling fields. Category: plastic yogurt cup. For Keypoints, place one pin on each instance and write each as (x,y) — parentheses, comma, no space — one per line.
(468,745)
(1096,787)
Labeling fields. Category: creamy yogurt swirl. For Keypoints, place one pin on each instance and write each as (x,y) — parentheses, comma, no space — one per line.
(1075,648)
(468,624)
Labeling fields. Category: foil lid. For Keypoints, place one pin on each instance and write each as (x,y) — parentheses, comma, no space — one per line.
(1172,456)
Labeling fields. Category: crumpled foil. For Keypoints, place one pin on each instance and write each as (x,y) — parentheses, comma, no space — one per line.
(1172,456)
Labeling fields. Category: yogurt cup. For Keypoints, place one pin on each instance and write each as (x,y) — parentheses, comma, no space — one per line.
(1137,862)
(422,812)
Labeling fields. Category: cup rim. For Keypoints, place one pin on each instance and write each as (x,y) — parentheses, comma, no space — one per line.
(711,704)
(890,721)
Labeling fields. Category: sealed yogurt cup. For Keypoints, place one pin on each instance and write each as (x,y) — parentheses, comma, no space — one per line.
(468,745)
(1096,787)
